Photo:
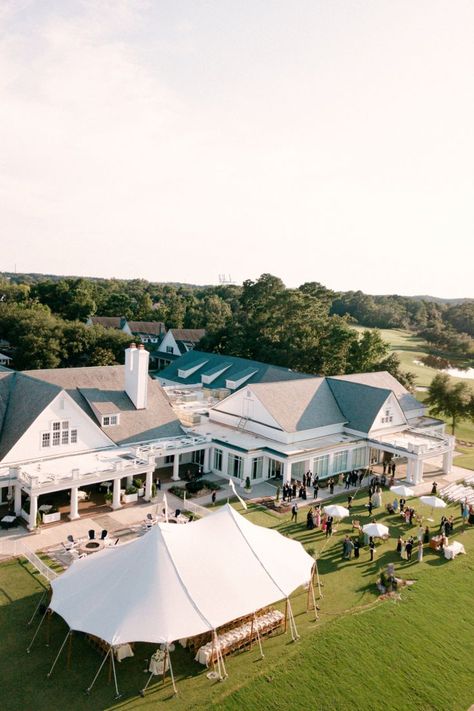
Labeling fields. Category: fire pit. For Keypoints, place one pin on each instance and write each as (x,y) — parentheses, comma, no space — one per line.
(92,547)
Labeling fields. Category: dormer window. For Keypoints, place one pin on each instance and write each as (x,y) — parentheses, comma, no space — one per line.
(110,420)
(388,417)
(59,434)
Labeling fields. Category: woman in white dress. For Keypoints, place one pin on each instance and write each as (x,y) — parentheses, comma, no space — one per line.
(420,551)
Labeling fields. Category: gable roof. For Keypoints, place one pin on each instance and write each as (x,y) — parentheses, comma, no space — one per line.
(188,335)
(107,321)
(299,405)
(22,400)
(230,366)
(154,328)
(105,384)
(360,403)
(384,379)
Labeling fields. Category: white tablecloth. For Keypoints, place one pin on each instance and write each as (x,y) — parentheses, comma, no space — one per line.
(158,659)
(123,652)
(451,551)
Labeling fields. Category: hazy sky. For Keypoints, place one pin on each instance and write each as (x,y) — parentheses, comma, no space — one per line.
(178,139)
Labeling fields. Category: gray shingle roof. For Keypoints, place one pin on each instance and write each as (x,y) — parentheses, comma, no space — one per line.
(153,328)
(383,379)
(299,405)
(157,420)
(264,372)
(360,403)
(107,321)
(188,335)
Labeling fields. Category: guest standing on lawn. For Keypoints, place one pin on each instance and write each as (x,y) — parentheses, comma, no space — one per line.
(371,548)
(420,551)
(294,513)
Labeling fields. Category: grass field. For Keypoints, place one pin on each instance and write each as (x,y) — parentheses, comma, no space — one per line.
(362,654)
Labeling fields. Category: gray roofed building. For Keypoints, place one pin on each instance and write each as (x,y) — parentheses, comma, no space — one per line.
(384,379)
(96,386)
(359,403)
(151,328)
(299,405)
(105,321)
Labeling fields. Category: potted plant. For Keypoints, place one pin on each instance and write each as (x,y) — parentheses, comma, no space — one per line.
(108,498)
(248,485)
(138,484)
(131,495)
(52,515)
(153,491)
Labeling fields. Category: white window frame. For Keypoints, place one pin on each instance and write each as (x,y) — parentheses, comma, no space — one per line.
(218,459)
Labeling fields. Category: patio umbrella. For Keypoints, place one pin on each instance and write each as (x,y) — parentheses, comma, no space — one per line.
(336,511)
(402,490)
(434,502)
(376,530)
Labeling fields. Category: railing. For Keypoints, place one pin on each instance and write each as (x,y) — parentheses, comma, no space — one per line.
(195,508)
(44,479)
(17,548)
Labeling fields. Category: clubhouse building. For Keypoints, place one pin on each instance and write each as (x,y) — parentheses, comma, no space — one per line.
(76,428)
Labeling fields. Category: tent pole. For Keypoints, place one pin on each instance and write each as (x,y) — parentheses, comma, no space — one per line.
(88,690)
(213,649)
(58,654)
(171,673)
(316,616)
(258,637)
(251,633)
(48,629)
(69,650)
(286,615)
(37,608)
(117,692)
(294,632)
(317,578)
(164,663)
(37,630)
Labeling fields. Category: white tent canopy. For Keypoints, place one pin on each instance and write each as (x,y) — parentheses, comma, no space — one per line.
(179,581)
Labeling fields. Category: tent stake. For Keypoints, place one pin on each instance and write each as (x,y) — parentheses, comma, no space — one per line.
(88,690)
(37,630)
(37,608)
(58,654)
(117,692)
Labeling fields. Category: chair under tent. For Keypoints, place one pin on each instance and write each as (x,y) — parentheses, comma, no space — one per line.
(178,579)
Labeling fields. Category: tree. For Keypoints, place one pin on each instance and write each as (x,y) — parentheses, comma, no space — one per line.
(450,399)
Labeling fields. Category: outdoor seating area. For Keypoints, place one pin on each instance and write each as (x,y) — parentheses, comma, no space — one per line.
(237,637)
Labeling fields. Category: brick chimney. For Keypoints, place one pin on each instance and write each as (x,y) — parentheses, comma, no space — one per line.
(136,375)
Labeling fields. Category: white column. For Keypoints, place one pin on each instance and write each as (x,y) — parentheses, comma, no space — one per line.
(286,472)
(74,512)
(116,494)
(148,483)
(330,463)
(33,512)
(418,471)
(265,464)
(225,462)
(175,476)
(17,499)
(447,461)
(410,471)
(206,468)
(247,469)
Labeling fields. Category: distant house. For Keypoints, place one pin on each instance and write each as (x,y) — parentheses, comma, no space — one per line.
(144,331)
(5,360)
(176,343)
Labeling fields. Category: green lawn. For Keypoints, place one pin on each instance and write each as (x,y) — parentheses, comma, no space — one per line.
(362,654)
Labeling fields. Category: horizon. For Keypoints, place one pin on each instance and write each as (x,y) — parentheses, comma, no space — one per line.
(173,143)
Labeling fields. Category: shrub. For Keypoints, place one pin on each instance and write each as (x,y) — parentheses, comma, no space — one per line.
(194,486)
(131,490)
(177,491)
(211,485)
(153,490)
(138,483)
(247,483)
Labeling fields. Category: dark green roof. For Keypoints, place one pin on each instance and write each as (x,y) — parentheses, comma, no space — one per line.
(236,368)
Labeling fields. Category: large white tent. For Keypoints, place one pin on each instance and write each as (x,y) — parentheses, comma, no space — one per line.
(180,581)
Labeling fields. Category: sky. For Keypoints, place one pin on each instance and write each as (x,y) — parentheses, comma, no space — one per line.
(177,140)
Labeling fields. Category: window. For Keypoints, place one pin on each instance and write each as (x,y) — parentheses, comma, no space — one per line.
(197,457)
(359,457)
(340,462)
(388,417)
(297,470)
(56,426)
(218,460)
(56,439)
(321,465)
(257,468)
(65,437)
(234,467)
(59,435)
(109,420)
(169,459)
(169,349)
(45,439)
(73,437)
